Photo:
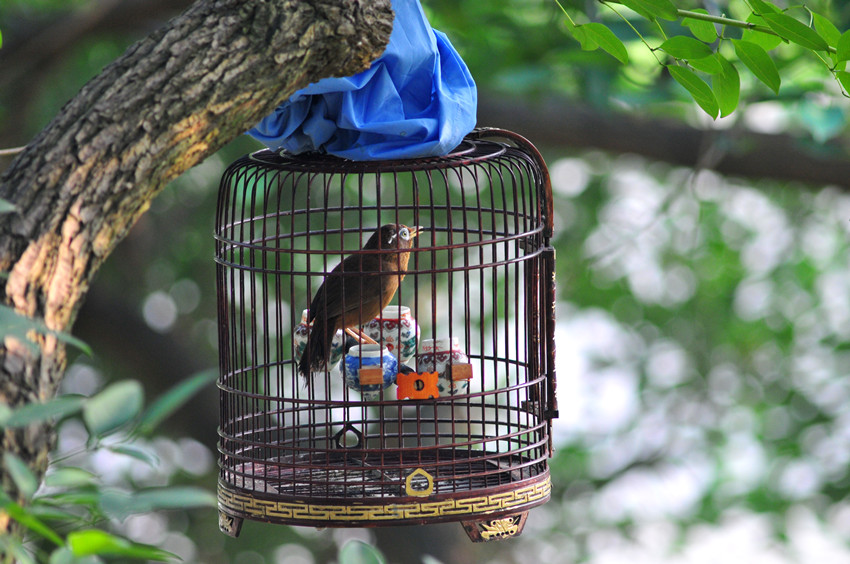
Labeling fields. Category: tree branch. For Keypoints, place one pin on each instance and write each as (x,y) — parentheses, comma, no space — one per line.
(172,99)
(735,152)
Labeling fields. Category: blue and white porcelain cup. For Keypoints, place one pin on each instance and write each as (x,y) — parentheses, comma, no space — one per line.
(395,329)
(438,355)
(369,356)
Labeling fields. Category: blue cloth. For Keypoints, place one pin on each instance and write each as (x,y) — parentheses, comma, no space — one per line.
(418,99)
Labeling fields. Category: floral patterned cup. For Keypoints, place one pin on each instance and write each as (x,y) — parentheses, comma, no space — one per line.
(395,329)
(302,330)
(360,357)
(438,355)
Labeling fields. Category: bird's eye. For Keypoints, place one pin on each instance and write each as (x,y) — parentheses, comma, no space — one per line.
(405,233)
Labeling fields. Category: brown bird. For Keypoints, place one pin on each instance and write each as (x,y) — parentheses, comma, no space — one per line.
(356,291)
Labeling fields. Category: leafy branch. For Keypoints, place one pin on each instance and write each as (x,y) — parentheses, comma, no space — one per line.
(707,62)
(75,498)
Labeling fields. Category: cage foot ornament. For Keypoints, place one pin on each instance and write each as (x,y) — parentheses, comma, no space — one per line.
(501,528)
(474,312)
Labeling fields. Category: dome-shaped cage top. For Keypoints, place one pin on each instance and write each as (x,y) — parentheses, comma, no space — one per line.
(430,404)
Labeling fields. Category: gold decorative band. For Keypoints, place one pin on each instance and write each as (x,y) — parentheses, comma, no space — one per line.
(245,505)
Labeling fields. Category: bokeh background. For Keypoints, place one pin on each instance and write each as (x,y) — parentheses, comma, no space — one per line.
(703,339)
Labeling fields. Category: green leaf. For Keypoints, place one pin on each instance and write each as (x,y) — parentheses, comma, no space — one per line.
(844,78)
(12,550)
(13,324)
(64,555)
(699,90)
(761,7)
(683,47)
(605,38)
(73,341)
(759,62)
(708,65)
(32,523)
(138,453)
(20,473)
(359,552)
(580,34)
(85,499)
(766,41)
(120,504)
(40,412)
(95,542)
(652,9)
(843,47)
(826,29)
(47,512)
(16,325)
(704,31)
(726,86)
(181,497)
(796,31)
(174,399)
(113,407)
(70,477)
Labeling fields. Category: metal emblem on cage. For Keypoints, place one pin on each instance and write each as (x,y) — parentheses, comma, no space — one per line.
(501,528)
(419,484)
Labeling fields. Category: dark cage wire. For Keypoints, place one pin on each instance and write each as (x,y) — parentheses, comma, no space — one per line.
(469,443)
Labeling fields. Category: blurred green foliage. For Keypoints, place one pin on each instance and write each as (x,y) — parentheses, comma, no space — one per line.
(509,52)
(67,512)
(722,326)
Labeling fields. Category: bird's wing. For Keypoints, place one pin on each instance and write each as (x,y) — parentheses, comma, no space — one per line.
(318,303)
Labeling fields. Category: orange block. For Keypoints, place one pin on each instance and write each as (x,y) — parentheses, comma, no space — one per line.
(461,372)
(371,376)
(417,386)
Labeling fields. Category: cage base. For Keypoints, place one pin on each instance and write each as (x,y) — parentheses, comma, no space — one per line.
(345,493)
(479,530)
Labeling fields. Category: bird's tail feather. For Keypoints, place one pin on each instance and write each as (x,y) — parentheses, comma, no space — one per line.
(316,354)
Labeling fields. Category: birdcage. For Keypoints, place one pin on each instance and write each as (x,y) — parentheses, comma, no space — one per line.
(437,409)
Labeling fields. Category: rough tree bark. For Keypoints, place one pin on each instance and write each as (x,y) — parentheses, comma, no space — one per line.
(172,99)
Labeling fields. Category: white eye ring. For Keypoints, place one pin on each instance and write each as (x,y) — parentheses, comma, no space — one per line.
(405,234)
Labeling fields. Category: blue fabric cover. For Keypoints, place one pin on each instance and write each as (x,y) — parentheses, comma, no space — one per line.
(418,99)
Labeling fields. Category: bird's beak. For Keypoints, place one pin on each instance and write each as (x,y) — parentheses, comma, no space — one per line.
(416,230)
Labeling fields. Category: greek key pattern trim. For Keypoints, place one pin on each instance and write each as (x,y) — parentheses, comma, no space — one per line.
(243,504)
